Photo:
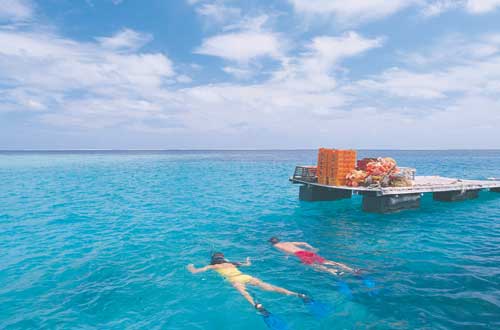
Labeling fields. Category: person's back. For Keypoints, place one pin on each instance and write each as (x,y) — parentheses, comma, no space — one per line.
(288,247)
(227,269)
(307,255)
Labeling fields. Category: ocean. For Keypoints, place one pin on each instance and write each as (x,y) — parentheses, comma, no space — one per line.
(101,240)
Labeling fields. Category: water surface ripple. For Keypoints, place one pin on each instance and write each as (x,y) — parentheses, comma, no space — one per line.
(100,240)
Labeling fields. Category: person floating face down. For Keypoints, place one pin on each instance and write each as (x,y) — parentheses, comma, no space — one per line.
(239,280)
(307,255)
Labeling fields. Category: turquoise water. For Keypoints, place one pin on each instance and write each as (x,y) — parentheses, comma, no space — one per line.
(93,240)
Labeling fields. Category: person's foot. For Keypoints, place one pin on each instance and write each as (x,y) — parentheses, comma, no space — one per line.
(336,272)
(305,298)
(261,309)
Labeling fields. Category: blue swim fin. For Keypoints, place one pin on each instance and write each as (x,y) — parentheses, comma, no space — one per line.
(275,323)
(344,289)
(318,309)
(370,284)
(272,321)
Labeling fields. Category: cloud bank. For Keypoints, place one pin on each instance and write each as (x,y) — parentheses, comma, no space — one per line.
(308,96)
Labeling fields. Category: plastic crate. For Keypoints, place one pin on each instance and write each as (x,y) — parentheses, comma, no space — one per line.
(322,180)
(337,182)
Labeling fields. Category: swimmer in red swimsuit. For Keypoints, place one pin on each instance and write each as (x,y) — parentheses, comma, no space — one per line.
(309,256)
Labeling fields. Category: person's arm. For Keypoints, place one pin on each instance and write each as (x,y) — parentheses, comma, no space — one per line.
(195,270)
(247,262)
(307,245)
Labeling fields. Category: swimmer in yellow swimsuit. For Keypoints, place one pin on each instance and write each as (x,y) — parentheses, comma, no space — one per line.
(230,271)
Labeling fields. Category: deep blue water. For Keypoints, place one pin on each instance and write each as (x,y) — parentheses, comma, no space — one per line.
(100,240)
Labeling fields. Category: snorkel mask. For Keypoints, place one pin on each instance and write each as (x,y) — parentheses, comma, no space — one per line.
(217,258)
(274,240)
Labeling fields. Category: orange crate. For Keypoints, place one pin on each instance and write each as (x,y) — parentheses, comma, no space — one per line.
(334,165)
(336,172)
(337,182)
(323,155)
(322,180)
(342,159)
(346,153)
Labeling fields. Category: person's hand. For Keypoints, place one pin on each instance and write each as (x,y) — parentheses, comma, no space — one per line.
(190,267)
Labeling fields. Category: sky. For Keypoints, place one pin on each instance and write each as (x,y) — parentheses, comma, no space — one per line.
(249,74)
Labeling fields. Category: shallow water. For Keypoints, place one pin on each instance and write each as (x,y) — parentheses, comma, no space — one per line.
(100,240)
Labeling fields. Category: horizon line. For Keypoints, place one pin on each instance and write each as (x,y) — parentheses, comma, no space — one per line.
(249,149)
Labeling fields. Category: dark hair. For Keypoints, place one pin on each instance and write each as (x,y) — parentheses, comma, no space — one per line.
(274,240)
(217,258)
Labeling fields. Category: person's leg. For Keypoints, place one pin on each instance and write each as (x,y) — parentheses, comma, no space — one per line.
(338,264)
(269,287)
(325,269)
(243,290)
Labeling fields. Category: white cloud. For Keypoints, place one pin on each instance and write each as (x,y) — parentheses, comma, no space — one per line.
(359,11)
(184,79)
(253,23)
(239,73)
(93,86)
(453,50)
(482,6)
(435,8)
(474,73)
(16,10)
(329,50)
(111,83)
(218,12)
(242,46)
(53,62)
(350,12)
(125,39)
(312,70)
(80,84)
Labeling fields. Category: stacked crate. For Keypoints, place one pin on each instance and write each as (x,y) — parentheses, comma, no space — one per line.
(341,164)
(323,156)
(334,165)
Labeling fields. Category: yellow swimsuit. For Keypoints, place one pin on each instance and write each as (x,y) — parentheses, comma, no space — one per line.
(233,275)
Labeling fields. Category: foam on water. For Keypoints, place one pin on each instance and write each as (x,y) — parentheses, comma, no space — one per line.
(94,240)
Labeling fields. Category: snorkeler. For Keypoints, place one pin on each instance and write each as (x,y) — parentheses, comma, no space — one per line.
(307,255)
(229,270)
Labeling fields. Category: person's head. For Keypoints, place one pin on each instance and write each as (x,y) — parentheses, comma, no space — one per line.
(217,258)
(274,240)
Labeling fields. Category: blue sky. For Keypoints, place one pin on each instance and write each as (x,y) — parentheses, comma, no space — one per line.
(227,74)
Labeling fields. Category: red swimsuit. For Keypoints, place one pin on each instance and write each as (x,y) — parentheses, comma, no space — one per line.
(309,258)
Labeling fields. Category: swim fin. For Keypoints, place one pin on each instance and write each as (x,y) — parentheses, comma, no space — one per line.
(370,284)
(272,321)
(275,323)
(344,289)
(316,308)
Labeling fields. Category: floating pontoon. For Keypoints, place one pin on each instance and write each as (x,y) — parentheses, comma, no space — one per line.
(389,199)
